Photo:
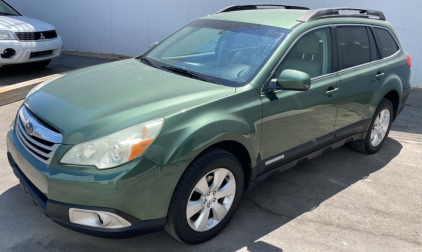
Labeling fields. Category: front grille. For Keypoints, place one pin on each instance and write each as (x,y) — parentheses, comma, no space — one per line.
(40,54)
(31,36)
(37,138)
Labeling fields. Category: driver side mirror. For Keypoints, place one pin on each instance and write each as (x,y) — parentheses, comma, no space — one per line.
(291,80)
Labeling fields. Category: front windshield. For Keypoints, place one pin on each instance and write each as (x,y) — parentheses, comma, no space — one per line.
(229,53)
(6,10)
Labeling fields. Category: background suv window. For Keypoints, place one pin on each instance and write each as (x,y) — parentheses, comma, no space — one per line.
(387,42)
(353,46)
(6,10)
(311,54)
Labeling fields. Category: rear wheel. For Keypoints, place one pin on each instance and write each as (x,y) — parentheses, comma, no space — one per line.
(206,197)
(378,131)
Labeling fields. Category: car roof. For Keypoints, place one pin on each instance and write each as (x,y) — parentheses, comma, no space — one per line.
(283,18)
(293,15)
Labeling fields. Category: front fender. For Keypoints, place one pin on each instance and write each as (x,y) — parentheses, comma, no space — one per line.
(187,133)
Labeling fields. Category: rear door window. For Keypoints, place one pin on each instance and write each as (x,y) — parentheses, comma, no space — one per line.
(374,50)
(353,46)
(386,41)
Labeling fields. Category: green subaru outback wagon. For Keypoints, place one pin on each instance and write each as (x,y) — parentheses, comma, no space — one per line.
(172,138)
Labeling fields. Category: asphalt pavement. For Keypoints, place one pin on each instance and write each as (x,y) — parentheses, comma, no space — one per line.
(13,74)
(340,201)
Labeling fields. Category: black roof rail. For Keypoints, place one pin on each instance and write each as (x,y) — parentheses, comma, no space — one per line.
(317,14)
(255,7)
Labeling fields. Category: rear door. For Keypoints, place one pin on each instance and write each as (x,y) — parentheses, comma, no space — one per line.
(361,72)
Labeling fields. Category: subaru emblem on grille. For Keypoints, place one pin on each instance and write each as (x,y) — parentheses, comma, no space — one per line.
(42,36)
(29,128)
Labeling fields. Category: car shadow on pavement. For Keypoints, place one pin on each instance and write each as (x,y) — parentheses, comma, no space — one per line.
(270,206)
(409,120)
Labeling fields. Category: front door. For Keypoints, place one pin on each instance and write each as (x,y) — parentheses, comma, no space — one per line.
(296,123)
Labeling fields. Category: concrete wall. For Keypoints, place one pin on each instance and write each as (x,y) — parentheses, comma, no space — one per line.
(128,27)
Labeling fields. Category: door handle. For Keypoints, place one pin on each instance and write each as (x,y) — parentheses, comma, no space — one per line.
(331,91)
(379,75)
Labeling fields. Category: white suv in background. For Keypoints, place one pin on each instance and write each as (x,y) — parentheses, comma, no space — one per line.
(23,39)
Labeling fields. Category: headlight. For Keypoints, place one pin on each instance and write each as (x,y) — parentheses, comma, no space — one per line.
(39,86)
(115,149)
(6,35)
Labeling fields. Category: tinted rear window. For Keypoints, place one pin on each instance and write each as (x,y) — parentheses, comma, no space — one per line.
(353,46)
(374,51)
(387,42)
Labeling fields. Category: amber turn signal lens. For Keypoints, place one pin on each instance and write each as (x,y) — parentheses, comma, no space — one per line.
(115,149)
(139,148)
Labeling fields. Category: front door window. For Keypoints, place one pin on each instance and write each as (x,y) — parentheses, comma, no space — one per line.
(311,54)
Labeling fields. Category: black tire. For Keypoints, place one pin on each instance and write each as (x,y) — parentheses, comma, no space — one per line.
(177,222)
(364,145)
(41,64)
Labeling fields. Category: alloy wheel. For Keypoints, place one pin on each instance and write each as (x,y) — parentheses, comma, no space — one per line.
(380,127)
(211,199)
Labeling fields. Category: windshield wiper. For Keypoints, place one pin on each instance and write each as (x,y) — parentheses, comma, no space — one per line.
(145,60)
(190,74)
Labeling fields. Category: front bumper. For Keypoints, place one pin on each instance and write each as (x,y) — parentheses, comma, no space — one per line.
(24,49)
(59,212)
(139,191)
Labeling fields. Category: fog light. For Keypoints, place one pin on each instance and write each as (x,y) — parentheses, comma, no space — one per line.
(7,53)
(97,219)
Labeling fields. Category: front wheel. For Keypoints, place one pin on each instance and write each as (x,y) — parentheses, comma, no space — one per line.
(378,131)
(206,197)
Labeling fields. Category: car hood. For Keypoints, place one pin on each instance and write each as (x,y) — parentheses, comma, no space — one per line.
(23,24)
(100,100)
